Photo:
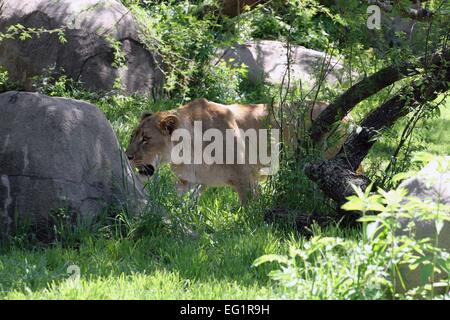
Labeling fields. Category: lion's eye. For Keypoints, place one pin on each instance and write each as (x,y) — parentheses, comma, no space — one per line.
(145,138)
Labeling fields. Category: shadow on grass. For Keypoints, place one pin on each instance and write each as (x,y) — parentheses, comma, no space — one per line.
(222,256)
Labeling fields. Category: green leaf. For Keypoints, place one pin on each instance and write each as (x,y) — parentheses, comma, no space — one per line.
(425,273)
(270,258)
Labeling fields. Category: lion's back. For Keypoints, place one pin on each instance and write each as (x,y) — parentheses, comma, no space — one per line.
(220,116)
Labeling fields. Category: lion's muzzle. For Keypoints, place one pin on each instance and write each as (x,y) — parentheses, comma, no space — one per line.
(146,170)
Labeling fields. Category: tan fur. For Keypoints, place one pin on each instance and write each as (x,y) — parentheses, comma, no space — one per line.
(242,177)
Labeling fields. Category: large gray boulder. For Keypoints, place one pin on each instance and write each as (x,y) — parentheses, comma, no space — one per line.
(60,154)
(88,54)
(430,183)
(266,61)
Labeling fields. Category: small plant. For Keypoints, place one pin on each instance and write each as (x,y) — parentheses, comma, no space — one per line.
(119,55)
(5,84)
(223,82)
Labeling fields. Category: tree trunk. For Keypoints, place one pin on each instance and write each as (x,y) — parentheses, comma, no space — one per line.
(335,176)
(368,87)
(233,8)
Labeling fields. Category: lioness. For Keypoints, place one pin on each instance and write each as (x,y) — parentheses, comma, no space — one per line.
(151,144)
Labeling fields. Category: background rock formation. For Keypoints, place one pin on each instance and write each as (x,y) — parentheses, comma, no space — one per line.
(428,185)
(88,54)
(267,61)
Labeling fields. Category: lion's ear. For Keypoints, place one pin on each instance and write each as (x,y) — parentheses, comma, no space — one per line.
(146,115)
(169,124)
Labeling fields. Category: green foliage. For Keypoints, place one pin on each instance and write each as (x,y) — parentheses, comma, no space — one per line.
(5,84)
(223,82)
(119,55)
(292,192)
(18,31)
(328,268)
(394,150)
(303,22)
(339,268)
(187,43)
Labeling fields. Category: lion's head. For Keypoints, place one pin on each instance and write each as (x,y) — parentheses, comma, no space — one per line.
(150,142)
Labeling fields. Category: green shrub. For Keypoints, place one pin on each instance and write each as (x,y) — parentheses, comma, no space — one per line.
(340,268)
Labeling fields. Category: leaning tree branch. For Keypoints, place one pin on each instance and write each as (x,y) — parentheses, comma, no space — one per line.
(367,87)
(336,176)
(420,14)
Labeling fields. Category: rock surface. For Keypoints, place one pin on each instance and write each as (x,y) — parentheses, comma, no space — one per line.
(266,61)
(428,184)
(88,54)
(58,153)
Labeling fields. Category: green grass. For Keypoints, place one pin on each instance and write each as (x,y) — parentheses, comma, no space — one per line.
(157,267)
(215,265)
(436,132)
(213,261)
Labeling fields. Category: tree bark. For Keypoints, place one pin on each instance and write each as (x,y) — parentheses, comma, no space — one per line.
(336,176)
(367,87)
(233,8)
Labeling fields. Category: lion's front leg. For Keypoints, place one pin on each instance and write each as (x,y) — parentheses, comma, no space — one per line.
(184,186)
(246,187)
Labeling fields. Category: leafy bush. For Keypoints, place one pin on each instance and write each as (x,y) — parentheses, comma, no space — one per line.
(303,22)
(187,43)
